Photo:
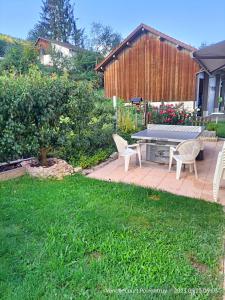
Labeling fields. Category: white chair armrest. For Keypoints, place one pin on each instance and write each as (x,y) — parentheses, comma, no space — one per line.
(172,150)
(133,146)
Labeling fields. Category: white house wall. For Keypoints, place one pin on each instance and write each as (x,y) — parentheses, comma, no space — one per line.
(65,51)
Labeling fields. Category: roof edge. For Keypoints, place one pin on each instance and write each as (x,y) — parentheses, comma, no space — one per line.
(63,44)
(132,35)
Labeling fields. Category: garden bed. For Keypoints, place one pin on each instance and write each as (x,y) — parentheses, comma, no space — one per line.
(56,168)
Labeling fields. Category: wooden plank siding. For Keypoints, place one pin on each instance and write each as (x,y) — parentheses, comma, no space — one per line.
(153,69)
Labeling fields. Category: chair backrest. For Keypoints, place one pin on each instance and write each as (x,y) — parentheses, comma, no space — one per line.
(189,147)
(219,172)
(223,159)
(121,143)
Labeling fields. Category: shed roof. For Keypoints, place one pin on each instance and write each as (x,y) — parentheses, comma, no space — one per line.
(211,58)
(65,45)
(139,30)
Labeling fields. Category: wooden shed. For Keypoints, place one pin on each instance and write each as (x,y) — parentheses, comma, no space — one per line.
(151,65)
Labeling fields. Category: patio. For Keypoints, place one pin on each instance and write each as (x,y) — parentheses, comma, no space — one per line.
(157,176)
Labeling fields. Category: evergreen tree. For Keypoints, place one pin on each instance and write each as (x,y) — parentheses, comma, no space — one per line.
(57,22)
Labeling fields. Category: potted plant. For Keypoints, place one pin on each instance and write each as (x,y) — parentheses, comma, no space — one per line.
(220,101)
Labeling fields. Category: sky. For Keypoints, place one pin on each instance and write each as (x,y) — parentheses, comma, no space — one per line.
(193,21)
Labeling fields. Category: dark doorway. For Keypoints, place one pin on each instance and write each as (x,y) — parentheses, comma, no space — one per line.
(200,96)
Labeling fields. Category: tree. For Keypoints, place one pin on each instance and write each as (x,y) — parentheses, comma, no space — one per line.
(39,30)
(19,57)
(82,65)
(104,39)
(57,22)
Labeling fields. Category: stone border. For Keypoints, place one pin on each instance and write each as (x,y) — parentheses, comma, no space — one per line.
(112,157)
(58,170)
(14,173)
(208,138)
(11,174)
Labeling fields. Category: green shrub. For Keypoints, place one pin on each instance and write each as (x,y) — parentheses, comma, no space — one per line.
(212,126)
(42,115)
(88,161)
(96,135)
(128,119)
(52,115)
(19,58)
(219,128)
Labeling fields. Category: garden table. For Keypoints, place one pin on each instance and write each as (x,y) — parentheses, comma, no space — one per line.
(159,138)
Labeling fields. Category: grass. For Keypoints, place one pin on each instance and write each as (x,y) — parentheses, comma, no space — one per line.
(79,238)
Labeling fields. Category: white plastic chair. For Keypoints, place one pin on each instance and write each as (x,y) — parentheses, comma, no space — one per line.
(185,153)
(126,150)
(219,173)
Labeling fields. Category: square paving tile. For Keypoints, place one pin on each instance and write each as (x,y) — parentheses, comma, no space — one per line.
(157,176)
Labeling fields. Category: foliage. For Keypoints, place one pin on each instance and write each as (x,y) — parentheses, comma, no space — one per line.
(127,119)
(103,38)
(60,63)
(82,66)
(171,115)
(41,112)
(96,135)
(219,128)
(19,58)
(76,238)
(8,39)
(78,67)
(58,22)
(220,100)
(211,126)
(12,40)
(89,161)
(3,47)
(6,42)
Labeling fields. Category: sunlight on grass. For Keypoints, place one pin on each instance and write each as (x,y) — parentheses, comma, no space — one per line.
(77,238)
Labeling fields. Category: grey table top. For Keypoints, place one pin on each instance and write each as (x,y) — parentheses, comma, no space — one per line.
(165,135)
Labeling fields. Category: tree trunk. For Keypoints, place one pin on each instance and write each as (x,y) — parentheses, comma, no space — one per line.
(43,157)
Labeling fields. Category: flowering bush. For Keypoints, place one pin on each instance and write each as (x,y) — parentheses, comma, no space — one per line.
(171,115)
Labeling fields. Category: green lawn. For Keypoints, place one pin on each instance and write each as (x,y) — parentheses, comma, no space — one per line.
(78,238)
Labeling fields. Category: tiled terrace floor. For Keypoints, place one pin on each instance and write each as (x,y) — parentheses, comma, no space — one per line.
(157,175)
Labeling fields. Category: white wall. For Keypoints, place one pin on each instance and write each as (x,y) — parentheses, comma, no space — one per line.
(65,51)
(46,60)
(188,105)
